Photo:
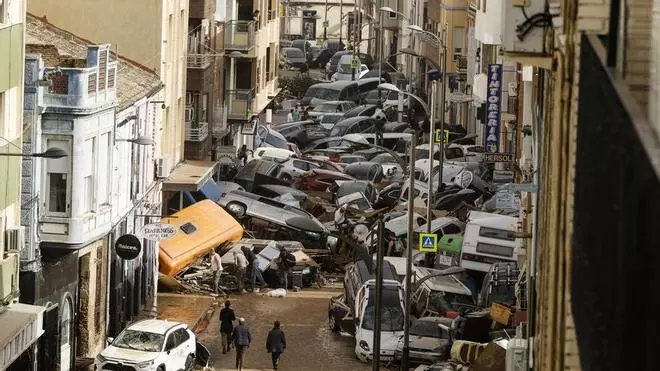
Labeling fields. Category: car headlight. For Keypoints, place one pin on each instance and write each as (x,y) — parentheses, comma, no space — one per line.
(364,345)
(145,364)
(306,271)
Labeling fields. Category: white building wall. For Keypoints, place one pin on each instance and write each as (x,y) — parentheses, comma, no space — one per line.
(488,23)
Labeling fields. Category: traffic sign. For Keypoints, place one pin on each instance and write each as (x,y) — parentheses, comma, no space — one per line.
(498,157)
(428,242)
(326,24)
(355,63)
(438,136)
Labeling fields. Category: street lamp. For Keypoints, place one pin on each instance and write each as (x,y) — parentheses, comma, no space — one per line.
(140,141)
(384,9)
(50,153)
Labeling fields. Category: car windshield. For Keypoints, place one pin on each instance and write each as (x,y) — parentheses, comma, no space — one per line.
(338,131)
(442,302)
(276,141)
(392,318)
(344,68)
(294,53)
(139,340)
(428,329)
(327,107)
(322,93)
(421,154)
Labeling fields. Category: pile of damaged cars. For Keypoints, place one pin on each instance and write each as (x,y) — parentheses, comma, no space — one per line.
(319,189)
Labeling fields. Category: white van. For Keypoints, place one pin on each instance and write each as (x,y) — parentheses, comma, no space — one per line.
(489,238)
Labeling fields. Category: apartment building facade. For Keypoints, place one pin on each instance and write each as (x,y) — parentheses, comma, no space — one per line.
(23,324)
(252,34)
(78,98)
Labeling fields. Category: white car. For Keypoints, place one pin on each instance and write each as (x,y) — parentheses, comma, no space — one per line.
(272,153)
(348,76)
(150,345)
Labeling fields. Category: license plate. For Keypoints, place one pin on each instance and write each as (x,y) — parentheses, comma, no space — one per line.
(445,260)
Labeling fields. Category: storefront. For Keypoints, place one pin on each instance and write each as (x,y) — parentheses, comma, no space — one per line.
(22,325)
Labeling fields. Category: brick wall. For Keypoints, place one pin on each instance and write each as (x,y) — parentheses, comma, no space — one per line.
(60,84)
(48,53)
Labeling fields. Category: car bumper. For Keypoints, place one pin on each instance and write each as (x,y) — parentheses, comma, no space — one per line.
(419,357)
(369,356)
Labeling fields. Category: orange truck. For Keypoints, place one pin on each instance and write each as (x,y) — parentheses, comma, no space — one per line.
(200,228)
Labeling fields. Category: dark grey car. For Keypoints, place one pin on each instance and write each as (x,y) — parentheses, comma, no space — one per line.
(295,58)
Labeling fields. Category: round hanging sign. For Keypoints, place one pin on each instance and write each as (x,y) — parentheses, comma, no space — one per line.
(128,247)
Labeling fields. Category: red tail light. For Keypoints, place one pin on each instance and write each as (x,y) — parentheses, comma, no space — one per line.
(451,314)
(334,157)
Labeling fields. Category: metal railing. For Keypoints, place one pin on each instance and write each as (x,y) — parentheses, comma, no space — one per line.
(199,60)
(239,103)
(197,132)
(239,35)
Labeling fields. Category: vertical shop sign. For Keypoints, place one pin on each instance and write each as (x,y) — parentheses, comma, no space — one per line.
(493,107)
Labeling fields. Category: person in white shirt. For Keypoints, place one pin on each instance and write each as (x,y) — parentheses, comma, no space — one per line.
(241,265)
(289,116)
(216,267)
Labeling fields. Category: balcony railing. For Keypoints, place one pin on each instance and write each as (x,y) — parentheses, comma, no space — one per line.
(239,35)
(199,60)
(239,103)
(616,200)
(197,132)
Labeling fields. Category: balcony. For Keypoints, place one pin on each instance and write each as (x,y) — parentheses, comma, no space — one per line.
(239,103)
(199,61)
(197,132)
(81,89)
(239,36)
(202,9)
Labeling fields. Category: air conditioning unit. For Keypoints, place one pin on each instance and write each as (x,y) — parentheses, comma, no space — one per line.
(522,25)
(15,239)
(9,279)
(162,167)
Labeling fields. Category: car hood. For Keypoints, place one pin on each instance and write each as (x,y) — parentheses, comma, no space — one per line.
(127,355)
(425,343)
(296,60)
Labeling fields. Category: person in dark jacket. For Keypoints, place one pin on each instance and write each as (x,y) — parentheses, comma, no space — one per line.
(275,343)
(227,318)
(242,340)
(285,262)
(253,268)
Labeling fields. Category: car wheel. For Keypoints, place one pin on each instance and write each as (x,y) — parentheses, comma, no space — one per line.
(236,209)
(333,322)
(190,362)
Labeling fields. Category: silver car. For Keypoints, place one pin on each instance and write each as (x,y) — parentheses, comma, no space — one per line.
(293,168)
(430,340)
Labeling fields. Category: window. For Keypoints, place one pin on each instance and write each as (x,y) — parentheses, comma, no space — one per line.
(89,193)
(395,7)
(451,229)
(57,177)
(105,164)
(3,11)
(302,165)
(203,114)
(487,248)
(500,234)
(87,171)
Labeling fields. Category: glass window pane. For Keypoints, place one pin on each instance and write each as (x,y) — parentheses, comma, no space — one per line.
(57,186)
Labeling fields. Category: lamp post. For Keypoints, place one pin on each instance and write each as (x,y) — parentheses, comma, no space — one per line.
(442,61)
(140,141)
(50,153)
(411,242)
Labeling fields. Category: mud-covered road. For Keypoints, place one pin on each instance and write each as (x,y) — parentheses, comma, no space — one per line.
(311,346)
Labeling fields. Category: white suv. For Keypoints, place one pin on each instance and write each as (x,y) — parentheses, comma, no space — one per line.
(153,345)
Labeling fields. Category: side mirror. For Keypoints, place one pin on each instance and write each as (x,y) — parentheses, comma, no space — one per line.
(110,340)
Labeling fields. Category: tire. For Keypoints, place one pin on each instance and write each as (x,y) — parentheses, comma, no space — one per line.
(190,362)
(333,322)
(236,209)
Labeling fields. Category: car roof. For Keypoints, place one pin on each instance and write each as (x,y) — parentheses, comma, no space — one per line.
(363,81)
(352,120)
(289,48)
(156,326)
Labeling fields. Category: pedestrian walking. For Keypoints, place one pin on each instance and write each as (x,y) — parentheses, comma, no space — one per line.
(275,343)
(289,116)
(227,318)
(216,267)
(304,115)
(253,268)
(285,262)
(296,113)
(241,263)
(242,340)
(241,156)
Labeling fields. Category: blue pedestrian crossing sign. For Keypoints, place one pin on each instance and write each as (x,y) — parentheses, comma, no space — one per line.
(441,136)
(428,242)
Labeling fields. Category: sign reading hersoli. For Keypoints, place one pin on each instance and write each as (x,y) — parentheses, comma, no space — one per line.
(493,104)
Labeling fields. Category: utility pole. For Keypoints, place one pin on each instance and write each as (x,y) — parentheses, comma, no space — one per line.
(442,105)
(325,22)
(380,50)
(409,258)
(429,201)
(355,33)
(379,296)
(341,18)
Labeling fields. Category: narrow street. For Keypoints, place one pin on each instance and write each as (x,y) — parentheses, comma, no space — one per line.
(311,345)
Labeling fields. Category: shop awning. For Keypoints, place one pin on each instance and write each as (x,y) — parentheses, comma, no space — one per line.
(22,325)
(189,176)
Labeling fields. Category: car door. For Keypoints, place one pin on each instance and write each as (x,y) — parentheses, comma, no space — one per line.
(300,167)
(173,356)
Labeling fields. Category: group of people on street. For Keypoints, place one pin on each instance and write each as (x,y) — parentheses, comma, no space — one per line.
(298,114)
(240,338)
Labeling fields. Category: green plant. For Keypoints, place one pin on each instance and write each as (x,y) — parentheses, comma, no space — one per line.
(296,85)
